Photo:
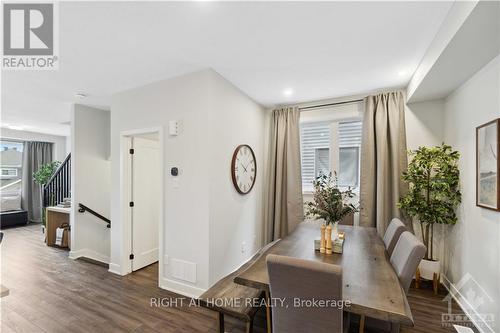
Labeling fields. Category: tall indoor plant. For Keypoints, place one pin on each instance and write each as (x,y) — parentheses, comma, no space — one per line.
(434,193)
(42,176)
(330,203)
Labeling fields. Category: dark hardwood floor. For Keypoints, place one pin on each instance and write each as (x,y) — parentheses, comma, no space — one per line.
(51,293)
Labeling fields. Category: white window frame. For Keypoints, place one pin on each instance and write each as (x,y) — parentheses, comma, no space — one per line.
(9,175)
(334,115)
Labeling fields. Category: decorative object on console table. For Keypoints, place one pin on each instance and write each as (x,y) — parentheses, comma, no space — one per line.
(331,204)
(488,165)
(433,197)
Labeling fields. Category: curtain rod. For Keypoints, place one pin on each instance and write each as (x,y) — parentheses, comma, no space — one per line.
(329,104)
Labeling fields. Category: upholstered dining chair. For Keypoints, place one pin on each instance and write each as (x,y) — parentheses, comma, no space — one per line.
(391,236)
(304,280)
(405,259)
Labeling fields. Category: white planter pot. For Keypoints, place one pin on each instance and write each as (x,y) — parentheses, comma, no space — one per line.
(428,268)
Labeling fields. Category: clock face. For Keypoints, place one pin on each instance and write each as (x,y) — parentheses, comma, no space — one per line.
(243,169)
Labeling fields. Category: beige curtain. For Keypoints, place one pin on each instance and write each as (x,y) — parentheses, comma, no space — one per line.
(383,159)
(284,206)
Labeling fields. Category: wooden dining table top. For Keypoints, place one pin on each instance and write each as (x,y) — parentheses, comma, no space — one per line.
(369,281)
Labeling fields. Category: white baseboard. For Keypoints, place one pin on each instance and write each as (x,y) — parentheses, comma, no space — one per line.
(88,253)
(115,269)
(475,318)
(181,288)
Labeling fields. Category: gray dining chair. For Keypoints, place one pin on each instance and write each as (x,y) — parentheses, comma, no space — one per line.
(405,259)
(293,279)
(391,236)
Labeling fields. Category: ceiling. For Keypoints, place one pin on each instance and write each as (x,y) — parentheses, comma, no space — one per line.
(275,52)
(456,64)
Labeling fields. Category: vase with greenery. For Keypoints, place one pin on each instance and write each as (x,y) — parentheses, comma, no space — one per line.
(42,176)
(434,191)
(330,202)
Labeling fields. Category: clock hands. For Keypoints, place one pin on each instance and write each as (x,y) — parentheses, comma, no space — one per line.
(248,165)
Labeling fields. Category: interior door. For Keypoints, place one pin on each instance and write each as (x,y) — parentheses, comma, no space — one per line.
(145,195)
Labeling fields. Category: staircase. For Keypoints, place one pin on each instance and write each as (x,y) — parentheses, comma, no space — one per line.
(59,185)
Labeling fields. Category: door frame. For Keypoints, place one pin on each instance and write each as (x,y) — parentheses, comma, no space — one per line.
(125,193)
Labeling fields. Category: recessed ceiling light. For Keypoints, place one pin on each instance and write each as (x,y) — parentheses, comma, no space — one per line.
(80,95)
(288,92)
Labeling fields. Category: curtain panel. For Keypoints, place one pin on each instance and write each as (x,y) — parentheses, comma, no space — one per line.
(284,205)
(35,154)
(383,159)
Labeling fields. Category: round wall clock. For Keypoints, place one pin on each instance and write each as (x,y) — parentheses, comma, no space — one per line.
(243,169)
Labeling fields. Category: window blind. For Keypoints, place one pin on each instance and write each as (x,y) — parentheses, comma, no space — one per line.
(313,136)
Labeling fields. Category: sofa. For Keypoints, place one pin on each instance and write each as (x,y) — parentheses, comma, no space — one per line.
(11,213)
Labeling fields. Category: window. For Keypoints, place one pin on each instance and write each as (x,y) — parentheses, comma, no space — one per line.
(332,146)
(349,166)
(7,172)
(11,156)
(321,161)
(315,144)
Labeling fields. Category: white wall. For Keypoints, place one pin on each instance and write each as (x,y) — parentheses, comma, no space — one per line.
(425,127)
(473,243)
(457,15)
(236,221)
(424,124)
(205,220)
(90,173)
(60,142)
(186,212)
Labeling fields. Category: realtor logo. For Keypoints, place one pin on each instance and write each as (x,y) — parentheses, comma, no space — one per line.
(29,36)
(473,300)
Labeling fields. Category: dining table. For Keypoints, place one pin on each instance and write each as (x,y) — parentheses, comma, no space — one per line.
(370,284)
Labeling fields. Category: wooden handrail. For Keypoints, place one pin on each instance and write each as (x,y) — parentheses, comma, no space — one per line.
(82,209)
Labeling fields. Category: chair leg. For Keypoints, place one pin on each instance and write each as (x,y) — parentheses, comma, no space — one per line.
(417,279)
(362,324)
(435,283)
(220,317)
(249,326)
(347,324)
(268,312)
(395,328)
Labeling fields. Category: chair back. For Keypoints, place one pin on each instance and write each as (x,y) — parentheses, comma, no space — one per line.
(406,257)
(347,220)
(297,280)
(391,237)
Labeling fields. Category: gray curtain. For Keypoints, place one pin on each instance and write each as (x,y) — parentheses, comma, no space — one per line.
(35,154)
(284,205)
(383,159)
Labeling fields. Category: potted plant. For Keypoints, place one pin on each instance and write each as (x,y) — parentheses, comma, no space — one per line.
(433,197)
(331,204)
(41,177)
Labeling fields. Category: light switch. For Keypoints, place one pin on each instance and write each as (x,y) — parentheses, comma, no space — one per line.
(173,127)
